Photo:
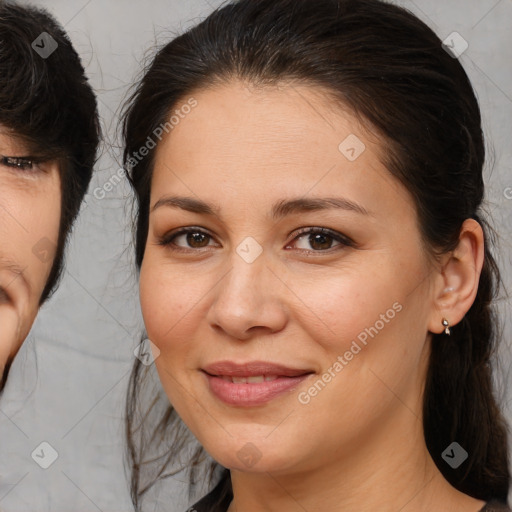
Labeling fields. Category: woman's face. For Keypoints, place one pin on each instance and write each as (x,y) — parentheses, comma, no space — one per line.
(29,225)
(335,322)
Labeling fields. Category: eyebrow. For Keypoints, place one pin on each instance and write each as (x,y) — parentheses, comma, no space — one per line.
(279,210)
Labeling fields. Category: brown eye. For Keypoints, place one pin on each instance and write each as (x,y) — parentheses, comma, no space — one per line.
(191,238)
(322,239)
(197,239)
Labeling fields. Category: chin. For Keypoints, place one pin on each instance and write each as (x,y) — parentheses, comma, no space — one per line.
(251,454)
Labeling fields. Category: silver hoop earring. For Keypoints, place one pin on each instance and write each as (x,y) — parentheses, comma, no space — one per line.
(446,326)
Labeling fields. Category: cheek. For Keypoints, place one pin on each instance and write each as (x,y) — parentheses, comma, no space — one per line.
(43,222)
(373,347)
(368,325)
(169,301)
(339,309)
(170,304)
(29,227)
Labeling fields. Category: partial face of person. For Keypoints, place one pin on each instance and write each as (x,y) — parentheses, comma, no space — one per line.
(284,281)
(29,226)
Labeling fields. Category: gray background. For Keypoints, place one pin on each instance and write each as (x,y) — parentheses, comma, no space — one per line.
(67,384)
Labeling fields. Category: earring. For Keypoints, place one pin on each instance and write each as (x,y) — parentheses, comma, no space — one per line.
(446,326)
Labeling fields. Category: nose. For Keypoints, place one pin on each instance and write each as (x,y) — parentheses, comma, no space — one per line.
(249,300)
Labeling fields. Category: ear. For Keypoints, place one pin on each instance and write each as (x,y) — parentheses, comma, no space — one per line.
(456,285)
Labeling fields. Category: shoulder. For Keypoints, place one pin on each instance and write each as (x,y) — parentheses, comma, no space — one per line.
(495,506)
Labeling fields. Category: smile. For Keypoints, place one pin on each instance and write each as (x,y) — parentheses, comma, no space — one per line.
(253,383)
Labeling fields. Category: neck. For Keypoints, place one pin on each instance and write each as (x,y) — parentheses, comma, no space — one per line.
(389,470)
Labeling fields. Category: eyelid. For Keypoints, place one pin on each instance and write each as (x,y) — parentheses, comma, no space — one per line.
(165,240)
(21,163)
(343,240)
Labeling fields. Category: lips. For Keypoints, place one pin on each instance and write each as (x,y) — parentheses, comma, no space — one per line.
(253,383)
(254,379)
(252,369)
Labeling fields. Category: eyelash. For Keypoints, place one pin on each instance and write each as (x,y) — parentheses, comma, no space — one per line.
(167,240)
(23,163)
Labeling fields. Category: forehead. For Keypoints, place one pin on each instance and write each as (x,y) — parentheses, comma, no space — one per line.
(9,140)
(243,151)
(237,129)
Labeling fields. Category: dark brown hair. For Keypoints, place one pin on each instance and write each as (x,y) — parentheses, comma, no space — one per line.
(48,104)
(392,71)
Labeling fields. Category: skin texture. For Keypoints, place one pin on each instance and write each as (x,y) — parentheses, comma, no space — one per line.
(29,225)
(358,444)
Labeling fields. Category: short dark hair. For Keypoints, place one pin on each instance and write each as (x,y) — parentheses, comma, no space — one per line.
(49,105)
(391,69)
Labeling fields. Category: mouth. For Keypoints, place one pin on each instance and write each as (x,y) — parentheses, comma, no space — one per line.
(253,383)
(254,379)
